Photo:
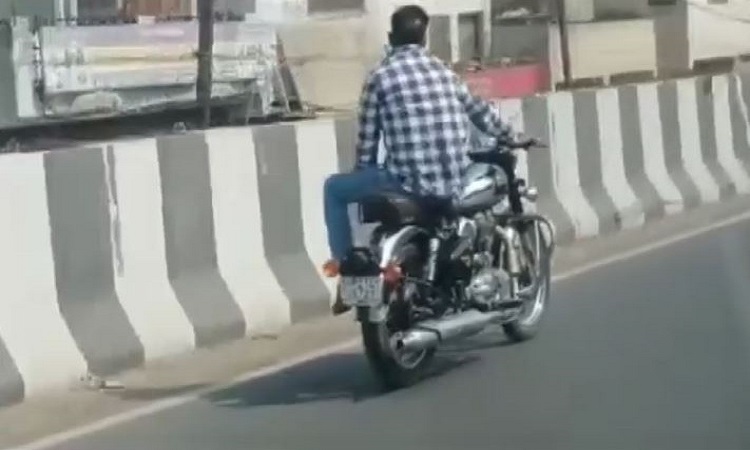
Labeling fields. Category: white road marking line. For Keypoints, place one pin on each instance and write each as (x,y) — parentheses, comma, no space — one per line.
(650,247)
(162,405)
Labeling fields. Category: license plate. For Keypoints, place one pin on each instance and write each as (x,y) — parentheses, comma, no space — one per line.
(362,291)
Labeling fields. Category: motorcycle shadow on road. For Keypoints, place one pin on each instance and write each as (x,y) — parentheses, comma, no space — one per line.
(341,376)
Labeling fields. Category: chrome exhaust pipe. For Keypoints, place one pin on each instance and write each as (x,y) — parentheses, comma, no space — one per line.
(431,333)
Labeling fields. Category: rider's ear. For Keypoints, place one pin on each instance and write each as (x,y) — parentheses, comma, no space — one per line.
(390,39)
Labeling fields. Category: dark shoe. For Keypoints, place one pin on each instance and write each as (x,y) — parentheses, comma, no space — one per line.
(339,307)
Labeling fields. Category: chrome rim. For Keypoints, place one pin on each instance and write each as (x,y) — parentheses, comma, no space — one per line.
(534,307)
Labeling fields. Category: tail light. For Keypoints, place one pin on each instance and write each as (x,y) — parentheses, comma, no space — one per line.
(392,274)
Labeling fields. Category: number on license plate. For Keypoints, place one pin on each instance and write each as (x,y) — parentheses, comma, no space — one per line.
(362,291)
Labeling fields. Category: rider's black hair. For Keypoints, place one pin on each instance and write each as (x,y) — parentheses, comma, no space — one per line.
(408,26)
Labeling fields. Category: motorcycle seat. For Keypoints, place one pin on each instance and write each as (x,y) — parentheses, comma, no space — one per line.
(399,208)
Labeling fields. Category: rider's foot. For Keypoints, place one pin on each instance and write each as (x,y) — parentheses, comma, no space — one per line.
(339,307)
(331,270)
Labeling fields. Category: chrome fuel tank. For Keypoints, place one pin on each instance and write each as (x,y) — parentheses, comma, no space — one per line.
(483,187)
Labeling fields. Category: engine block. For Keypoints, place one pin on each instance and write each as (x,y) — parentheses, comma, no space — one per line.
(489,286)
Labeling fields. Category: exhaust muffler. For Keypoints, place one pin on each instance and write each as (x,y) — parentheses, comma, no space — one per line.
(431,333)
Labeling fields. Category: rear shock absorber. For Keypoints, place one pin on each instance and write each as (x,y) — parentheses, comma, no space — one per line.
(432,259)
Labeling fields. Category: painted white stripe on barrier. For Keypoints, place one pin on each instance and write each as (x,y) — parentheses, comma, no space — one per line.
(239,232)
(564,151)
(613,162)
(318,158)
(743,105)
(31,325)
(692,157)
(724,135)
(653,149)
(511,111)
(140,265)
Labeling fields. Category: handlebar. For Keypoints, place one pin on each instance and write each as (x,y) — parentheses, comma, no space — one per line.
(503,149)
(524,144)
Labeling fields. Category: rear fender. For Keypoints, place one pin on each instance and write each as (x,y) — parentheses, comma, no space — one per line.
(390,247)
(392,244)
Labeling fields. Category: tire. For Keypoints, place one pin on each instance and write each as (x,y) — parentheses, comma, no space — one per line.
(527,325)
(393,371)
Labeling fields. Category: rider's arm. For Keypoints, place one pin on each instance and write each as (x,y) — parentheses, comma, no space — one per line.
(369,125)
(481,113)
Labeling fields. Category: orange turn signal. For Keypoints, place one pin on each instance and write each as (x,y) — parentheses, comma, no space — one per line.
(392,274)
(331,269)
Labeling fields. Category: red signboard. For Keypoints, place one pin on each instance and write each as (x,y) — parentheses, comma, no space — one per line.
(508,82)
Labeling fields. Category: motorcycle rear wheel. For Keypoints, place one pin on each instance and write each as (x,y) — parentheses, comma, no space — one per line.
(396,369)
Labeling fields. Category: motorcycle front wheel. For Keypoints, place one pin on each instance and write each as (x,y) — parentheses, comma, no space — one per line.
(526,326)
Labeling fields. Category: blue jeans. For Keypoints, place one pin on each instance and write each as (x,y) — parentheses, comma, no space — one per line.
(338,192)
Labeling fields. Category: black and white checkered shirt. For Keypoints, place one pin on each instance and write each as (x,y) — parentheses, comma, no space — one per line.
(422,110)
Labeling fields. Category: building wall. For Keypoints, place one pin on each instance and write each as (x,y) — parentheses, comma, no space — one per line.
(579,10)
(45,9)
(328,71)
(588,10)
(235,7)
(527,41)
(719,30)
(283,11)
(672,41)
(470,36)
(328,6)
(160,7)
(601,49)
(621,9)
(99,8)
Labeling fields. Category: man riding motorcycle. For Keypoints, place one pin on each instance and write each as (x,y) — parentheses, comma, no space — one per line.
(419,106)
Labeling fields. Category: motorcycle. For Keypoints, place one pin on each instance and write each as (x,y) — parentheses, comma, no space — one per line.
(437,270)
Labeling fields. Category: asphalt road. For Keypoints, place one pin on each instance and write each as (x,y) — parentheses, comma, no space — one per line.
(648,353)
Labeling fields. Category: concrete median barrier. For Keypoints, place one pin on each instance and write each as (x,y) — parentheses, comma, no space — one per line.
(119,253)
